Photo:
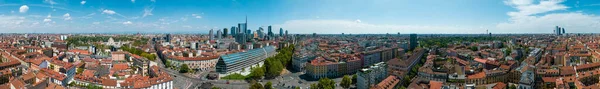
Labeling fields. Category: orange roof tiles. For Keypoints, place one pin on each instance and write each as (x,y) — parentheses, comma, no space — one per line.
(84,52)
(109,82)
(500,85)
(387,83)
(121,66)
(435,85)
(476,75)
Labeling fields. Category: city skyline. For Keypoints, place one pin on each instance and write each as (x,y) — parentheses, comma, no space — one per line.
(300,17)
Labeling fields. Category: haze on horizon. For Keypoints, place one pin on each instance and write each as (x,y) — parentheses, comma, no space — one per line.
(300,16)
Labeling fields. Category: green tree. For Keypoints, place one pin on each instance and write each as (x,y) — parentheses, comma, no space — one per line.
(268,85)
(346,82)
(354,77)
(215,87)
(326,83)
(184,68)
(273,67)
(256,86)
(257,73)
(512,87)
(314,86)
(79,70)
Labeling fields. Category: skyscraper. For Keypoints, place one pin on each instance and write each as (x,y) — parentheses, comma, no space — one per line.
(286,32)
(558,30)
(219,34)
(280,31)
(225,32)
(242,33)
(413,41)
(270,33)
(168,38)
(210,34)
(233,31)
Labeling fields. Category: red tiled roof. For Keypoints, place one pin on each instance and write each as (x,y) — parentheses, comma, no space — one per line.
(121,66)
(109,82)
(18,84)
(476,75)
(500,85)
(53,74)
(585,66)
(387,83)
(435,85)
(84,52)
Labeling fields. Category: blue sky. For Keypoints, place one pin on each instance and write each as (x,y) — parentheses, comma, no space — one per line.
(300,16)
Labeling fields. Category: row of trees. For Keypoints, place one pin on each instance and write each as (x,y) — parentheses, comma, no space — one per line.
(324,83)
(444,41)
(274,65)
(267,85)
(139,52)
(84,40)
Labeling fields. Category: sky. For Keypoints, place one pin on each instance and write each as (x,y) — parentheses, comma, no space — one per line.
(300,16)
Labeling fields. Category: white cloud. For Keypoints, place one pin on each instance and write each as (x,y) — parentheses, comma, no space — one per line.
(47,20)
(197,16)
(50,2)
(351,26)
(110,12)
(147,11)
(540,18)
(133,1)
(67,16)
(526,7)
(96,23)
(24,9)
(127,23)
(83,2)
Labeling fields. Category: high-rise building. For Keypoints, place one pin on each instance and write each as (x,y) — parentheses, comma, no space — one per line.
(210,34)
(270,33)
(286,32)
(219,34)
(558,30)
(280,31)
(260,32)
(225,32)
(413,41)
(233,31)
(242,33)
(168,37)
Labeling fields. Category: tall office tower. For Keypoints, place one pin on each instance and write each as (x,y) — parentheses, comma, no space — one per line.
(286,32)
(168,38)
(233,31)
(225,32)
(557,31)
(413,41)
(563,31)
(280,31)
(219,34)
(260,32)
(210,34)
(270,33)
